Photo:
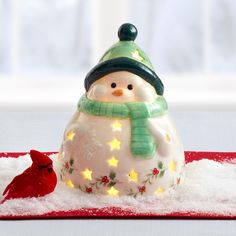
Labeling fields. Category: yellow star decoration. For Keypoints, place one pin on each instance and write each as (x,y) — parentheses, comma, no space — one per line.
(159,190)
(70,135)
(87,174)
(113,161)
(172,166)
(136,55)
(114,144)
(113,192)
(168,139)
(133,176)
(116,126)
(70,184)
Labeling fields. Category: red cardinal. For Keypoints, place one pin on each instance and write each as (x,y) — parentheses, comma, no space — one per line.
(38,180)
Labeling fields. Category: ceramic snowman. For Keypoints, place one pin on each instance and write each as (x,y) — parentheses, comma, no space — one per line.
(121,140)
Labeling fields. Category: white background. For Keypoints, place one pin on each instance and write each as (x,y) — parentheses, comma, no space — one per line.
(48,46)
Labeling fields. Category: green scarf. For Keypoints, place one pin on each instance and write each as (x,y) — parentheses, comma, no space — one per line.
(142,142)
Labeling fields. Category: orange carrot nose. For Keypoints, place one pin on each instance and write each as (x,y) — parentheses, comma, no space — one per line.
(118,92)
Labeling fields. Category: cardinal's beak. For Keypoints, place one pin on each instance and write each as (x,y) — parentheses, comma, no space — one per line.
(118,92)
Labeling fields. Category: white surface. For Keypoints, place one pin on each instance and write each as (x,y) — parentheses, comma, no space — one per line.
(204,131)
(199,130)
(183,92)
(118,227)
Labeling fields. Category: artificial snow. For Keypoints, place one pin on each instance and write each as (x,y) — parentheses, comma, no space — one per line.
(209,187)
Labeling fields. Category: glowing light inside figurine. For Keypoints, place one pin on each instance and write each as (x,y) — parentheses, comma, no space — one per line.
(87,174)
(116,126)
(133,176)
(136,55)
(172,166)
(168,139)
(113,192)
(70,184)
(159,191)
(70,135)
(120,141)
(114,144)
(113,161)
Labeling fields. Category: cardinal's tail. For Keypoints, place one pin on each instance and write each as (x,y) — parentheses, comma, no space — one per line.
(3,201)
(7,197)
(6,193)
(6,189)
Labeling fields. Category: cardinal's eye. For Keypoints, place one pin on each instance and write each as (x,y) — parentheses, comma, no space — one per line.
(113,85)
(130,87)
(50,170)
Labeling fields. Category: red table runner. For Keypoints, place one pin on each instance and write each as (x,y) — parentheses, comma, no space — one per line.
(119,213)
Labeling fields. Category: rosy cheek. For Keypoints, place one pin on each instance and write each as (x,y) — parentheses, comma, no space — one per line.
(97,91)
(145,94)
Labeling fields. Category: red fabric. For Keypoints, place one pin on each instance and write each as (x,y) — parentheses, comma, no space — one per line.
(120,213)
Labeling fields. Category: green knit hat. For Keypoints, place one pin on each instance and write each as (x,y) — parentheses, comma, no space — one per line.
(125,56)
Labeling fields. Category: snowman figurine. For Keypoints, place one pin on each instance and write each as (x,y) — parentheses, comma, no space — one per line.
(121,140)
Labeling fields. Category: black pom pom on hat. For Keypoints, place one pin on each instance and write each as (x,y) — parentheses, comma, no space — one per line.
(127,32)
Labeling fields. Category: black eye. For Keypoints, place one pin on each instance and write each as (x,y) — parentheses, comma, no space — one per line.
(130,86)
(113,85)
(50,170)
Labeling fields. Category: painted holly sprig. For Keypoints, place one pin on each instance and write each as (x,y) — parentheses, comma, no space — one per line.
(155,173)
(140,191)
(86,189)
(68,167)
(105,180)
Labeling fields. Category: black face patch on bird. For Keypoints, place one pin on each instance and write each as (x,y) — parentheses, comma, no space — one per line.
(49,166)
(50,169)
